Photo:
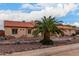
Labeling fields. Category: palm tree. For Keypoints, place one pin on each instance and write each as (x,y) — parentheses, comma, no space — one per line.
(47,26)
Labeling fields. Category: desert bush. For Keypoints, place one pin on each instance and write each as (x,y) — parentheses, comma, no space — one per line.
(73,34)
(2,38)
(17,42)
(47,42)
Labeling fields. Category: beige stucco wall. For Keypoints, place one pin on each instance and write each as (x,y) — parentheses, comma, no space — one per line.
(69,32)
(24,31)
(21,32)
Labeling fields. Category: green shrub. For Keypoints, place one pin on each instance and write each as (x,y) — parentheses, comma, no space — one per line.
(2,38)
(47,42)
(73,34)
(17,42)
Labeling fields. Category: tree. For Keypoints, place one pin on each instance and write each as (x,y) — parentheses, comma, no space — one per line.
(47,26)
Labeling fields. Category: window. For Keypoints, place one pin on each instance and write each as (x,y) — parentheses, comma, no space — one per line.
(14,31)
(29,31)
(22,29)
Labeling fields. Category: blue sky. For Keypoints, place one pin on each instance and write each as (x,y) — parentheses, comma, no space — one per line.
(9,6)
(68,13)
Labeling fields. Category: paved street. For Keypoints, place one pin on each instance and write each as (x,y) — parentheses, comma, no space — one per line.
(65,50)
(74,52)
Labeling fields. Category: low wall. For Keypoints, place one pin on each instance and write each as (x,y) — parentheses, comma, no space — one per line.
(47,51)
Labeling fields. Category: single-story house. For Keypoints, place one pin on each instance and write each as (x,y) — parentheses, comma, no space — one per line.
(67,29)
(18,29)
(77,30)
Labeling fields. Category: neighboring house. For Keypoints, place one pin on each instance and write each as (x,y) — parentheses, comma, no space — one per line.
(2,33)
(67,29)
(18,29)
(77,30)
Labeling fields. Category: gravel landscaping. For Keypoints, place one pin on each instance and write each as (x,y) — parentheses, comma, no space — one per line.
(7,47)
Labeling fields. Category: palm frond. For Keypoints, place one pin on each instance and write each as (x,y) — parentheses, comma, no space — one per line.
(48,25)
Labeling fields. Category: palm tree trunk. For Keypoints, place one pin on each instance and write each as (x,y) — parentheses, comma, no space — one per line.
(46,40)
(46,35)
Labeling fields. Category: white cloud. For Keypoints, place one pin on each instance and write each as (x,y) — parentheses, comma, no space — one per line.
(1,25)
(26,5)
(59,11)
(30,6)
(76,24)
(51,5)
(73,24)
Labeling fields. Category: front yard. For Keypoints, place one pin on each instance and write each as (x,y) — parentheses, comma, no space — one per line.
(12,45)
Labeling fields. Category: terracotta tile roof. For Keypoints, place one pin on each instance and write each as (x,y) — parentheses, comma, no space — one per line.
(65,27)
(18,24)
(29,24)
